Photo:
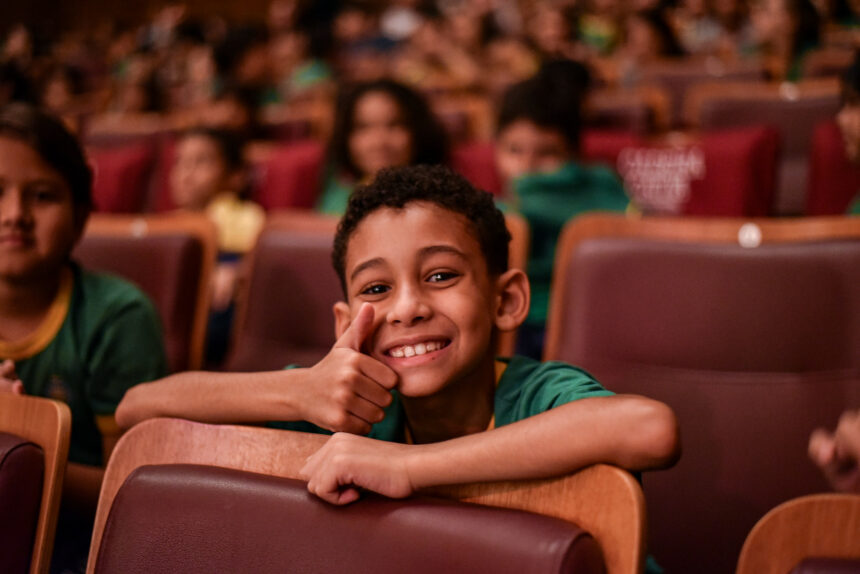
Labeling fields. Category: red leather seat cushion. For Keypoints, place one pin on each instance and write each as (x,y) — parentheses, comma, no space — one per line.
(833,179)
(122,176)
(165,267)
(186,518)
(22,466)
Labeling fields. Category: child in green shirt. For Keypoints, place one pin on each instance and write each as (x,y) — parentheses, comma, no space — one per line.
(422,257)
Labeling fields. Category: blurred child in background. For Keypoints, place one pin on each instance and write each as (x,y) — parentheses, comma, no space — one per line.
(209,177)
(378,124)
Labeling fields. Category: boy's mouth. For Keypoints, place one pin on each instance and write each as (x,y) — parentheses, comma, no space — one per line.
(417,349)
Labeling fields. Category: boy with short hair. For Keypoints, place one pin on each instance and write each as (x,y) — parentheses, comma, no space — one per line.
(422,257)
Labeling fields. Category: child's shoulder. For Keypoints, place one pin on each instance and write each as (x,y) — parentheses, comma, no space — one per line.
(528,387)
(98,291)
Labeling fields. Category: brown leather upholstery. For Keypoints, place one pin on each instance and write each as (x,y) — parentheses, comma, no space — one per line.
(793,113)
(827,566)
(168,268)
(190,518)
(22,466)
(752,348)
(677,77)
(286,315)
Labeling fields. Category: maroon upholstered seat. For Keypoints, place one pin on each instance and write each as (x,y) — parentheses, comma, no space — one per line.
(729,173)
(292,176)
(752,347)
(827,566)
(793,111)
(285,315)
(122,175)
(22,466)
(190,518)
(171,265)
(833,179)
(678,77)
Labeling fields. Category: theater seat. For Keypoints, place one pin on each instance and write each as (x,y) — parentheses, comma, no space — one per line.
(833,179)
(34,444)
(793,109)
(292,176)
(159,512)
(476,161)
(122,175)
(191,518)
(284,310)
(748,329)
(171,258)
(816,534)
(21,469)
(728,173)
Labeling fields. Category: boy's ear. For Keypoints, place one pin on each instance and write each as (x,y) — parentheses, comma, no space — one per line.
(342,318)
(513,297)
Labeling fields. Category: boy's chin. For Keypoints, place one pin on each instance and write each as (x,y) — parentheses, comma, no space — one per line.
(419,385)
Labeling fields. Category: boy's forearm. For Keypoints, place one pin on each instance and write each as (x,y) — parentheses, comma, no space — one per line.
(631,432)
(213,398)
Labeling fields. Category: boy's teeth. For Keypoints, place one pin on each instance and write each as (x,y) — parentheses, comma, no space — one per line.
(417,349)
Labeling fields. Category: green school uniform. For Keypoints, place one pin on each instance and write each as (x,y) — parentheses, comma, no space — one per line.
(525,388)
(548,201)
(854,208)
(108,340)
(335,195)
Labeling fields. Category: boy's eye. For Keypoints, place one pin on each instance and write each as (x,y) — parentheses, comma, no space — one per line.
(441,276)
(43,194)
(376,289)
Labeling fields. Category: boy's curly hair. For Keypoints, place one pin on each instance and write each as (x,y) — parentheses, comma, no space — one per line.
(398,186)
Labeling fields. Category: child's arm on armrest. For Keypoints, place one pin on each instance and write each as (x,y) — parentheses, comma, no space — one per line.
(345,391)
(632,432)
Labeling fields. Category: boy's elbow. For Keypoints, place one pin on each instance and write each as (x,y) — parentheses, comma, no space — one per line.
(656,436)
(126,414)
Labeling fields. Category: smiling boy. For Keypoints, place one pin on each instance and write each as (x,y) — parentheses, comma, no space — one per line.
(422,257)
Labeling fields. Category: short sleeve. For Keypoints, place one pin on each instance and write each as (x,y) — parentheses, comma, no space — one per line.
(127,349)
(529,388)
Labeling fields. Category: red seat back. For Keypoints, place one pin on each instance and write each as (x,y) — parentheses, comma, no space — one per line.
(189,518)
(833,179)
(753,348)
(292,176)
(723,173)
(122,175)
(22,466)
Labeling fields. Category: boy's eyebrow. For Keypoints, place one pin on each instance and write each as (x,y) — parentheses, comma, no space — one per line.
(365,265)
(434,249)
(422,253)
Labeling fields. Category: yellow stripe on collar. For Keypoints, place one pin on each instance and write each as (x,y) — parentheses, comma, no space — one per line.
(36,341)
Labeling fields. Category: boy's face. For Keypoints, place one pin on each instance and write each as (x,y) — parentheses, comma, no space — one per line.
(434,301)
(38,223)
(524,147)
(379,137)
(198,174)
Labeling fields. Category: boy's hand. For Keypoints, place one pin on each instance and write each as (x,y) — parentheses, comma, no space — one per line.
(838,453)
(347,390)
(348,462)
(9,381)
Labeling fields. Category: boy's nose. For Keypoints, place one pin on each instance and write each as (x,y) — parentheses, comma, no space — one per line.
(408,307)
(13,208)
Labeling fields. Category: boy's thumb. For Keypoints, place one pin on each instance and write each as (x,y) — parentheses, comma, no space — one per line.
(360,328)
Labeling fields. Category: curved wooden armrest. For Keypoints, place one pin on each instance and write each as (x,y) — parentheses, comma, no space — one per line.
(604,500)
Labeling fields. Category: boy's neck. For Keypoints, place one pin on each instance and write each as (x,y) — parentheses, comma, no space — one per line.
(23,304)
(461,408)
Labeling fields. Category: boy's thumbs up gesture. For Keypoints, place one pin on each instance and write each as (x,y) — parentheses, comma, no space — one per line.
(348,390)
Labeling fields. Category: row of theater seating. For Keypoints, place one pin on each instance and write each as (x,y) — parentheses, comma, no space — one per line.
(749,329)
(180,496)
(750,161)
